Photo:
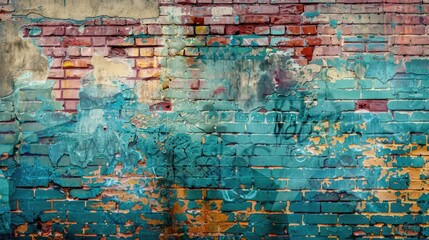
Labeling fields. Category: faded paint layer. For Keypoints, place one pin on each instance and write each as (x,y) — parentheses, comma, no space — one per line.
(79,10)
(19,58)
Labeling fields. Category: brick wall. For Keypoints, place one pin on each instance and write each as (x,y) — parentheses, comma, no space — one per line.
(234,119)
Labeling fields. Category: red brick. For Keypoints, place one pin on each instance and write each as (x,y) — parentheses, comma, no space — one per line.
(372,105)
(412,30)
(294,42)
(293,30)
(285,19)
(291,9)
(313,41)
(306,52)
(113,21)
(76,41)
(218,41)
(262,30)
(309,30)
(162,106)
(242,29)
(254,19)
(362,105)
(196,20)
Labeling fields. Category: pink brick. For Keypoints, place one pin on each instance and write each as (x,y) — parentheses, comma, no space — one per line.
(217,29)
(72,31)
(262,30)
(327,51)
(71,105)
(87,51)
(48,41)
(240,9)
(71,94)
(419,40)
(101,51)
(254,19)
(53,31)
(218,20)
(56,73)
(75,73)
(59,52)
(407,50)
(263,41)
(73,51)
(119,41)
(201,11)
(98,41)
(56,63)
(401,40)
(154,29)
(263,9)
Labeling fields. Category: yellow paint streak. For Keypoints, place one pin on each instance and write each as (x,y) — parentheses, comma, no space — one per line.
(338,139)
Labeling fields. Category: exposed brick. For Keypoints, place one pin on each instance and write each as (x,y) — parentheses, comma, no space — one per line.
(76,41)
(285,19)
(254,19)
(242,29)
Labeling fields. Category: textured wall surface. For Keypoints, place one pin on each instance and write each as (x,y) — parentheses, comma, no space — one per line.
(217,119)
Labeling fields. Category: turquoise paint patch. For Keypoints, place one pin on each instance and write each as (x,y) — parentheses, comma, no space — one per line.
(333,23)
(35,31)
(339,34)
(311,14)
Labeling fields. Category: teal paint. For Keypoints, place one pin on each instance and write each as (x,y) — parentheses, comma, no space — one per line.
(282,137)
(311,14)
(333,23)
(339,34)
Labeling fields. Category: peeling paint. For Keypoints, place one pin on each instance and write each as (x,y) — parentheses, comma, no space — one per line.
(60,9)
